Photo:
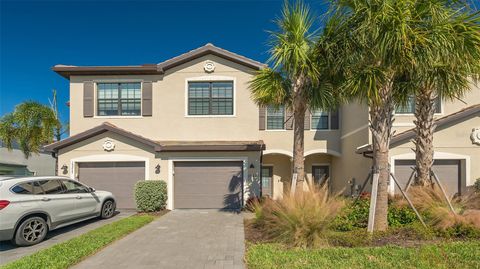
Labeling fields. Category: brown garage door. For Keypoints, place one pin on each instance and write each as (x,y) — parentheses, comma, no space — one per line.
(118,178)
(448,172)
(208,185)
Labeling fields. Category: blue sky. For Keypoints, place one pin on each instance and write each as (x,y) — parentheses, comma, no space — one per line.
(36,35)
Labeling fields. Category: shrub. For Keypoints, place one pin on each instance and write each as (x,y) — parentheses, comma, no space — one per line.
(299,220)
(150,195)
(476,185)
(400,214)
(355,215)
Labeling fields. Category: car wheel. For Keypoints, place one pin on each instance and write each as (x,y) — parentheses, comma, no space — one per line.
(108,209)
(31,231)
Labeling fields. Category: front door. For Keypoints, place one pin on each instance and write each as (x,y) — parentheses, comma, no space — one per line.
(267,180)
(320,174)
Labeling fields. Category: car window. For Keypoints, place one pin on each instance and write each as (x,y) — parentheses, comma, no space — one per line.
(27,188)
(51,186)
(23,188)
(36,188)
(74,187)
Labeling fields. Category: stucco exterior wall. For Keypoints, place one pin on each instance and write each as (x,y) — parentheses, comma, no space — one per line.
(91,150)
(454,140)
(169,120)
(472,97)
(42,164)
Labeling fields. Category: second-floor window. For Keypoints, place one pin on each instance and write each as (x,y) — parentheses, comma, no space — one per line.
(409,107)
(275,118)
(119,99)
(210,98)
(320,120)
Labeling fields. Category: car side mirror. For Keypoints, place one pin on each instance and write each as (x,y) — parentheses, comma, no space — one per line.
(91,189)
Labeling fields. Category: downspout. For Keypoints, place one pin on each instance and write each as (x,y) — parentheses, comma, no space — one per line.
(261,174)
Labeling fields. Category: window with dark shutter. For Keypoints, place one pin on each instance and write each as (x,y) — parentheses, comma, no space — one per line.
(119,99)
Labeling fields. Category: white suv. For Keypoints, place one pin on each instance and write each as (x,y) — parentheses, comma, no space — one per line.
(32,206)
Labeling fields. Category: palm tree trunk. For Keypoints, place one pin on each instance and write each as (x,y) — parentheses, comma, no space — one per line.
(381,115)
(298,143)
(424,129)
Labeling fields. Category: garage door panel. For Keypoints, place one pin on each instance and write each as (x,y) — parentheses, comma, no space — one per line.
(448,172)
(208,185)
(116,177)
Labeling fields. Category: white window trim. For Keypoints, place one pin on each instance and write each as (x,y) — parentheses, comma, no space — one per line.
(170,181)
(95,105)
(436,156)
(212,78)
(108,158)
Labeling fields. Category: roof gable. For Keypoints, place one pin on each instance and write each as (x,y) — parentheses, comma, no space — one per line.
(102,128)
(154,69)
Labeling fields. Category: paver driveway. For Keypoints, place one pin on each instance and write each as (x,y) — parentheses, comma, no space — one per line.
(179,239)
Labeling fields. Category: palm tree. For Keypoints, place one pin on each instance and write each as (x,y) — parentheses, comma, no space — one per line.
(373,50)
(295,79)
(444,63)
(31,125)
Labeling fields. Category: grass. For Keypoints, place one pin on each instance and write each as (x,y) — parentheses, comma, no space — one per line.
(446,255)
(68,253)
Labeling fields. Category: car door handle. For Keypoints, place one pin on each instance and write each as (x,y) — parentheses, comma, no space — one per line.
(45,199)
(79,197)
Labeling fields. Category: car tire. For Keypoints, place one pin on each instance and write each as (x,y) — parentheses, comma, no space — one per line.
(108,209)
(30,232)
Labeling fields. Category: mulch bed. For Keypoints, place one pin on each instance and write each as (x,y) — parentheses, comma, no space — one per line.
(255,235)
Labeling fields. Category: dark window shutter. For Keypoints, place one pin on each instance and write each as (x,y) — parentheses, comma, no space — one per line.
(147,98)
(289,119)
(306,124)
(334,120)
(261,117)
(88,98)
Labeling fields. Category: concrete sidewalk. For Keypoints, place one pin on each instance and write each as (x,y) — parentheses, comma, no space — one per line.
(180,239)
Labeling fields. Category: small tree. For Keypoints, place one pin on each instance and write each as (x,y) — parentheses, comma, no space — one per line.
(445,61)
(31,125)
(295,79)
(373,48)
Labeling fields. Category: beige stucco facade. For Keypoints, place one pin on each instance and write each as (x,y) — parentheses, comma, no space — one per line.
(171,122)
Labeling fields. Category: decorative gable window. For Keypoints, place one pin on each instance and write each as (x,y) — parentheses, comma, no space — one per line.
(275,118)
(210,98)
(119,99)
(409,107)
(320,120)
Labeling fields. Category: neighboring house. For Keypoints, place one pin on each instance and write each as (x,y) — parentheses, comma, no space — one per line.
(191,122)
(13,162)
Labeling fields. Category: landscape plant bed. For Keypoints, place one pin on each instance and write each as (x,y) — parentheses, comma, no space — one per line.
(410,236)
(68,253)
(444,255)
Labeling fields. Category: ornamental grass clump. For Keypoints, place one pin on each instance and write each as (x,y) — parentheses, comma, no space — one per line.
(430,201)
(299,220)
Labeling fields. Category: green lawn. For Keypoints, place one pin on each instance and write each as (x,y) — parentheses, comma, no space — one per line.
(447,255)
(76,249)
